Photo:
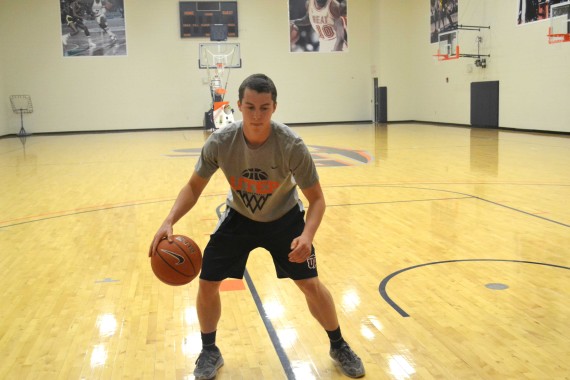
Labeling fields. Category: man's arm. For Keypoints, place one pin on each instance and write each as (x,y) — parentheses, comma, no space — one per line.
(303,21)
(76,10)
(340,31)
(301,246)
(186,199)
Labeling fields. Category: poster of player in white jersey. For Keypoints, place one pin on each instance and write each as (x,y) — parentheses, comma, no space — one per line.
(93,28)
(535,10)
(318,26)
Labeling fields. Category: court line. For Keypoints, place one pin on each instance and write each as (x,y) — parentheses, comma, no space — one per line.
(384,282)
(283,358)
(95,208)
(85,210)
(281,354)
(464,194)
(406,201)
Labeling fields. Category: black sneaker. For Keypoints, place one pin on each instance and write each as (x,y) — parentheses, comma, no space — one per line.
(207,364)
(349,362)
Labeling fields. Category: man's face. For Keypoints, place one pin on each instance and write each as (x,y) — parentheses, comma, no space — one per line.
(256,108)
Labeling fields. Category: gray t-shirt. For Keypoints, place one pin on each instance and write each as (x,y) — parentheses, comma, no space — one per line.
(262,180)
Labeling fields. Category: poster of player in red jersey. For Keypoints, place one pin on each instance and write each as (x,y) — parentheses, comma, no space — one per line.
(535,10)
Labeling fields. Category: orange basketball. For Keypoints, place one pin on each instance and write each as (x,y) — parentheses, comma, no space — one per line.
(176,263)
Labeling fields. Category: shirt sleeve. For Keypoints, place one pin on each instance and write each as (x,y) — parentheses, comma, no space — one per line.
(302,165)
(208,161)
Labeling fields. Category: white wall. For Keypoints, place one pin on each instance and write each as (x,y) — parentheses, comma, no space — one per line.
(158,84)
(533,75)
(5,102)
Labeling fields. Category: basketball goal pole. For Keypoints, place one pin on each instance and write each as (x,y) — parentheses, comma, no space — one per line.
(22,130)
(218,58)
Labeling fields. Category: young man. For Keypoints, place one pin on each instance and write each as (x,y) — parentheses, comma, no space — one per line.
(264,162)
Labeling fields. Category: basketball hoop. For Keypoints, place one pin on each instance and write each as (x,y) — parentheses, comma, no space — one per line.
(556,38)
(220,64)
(449,46)
(559,30)
(447,57)
(218,59)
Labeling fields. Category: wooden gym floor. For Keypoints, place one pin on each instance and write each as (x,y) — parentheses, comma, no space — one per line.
(446,249)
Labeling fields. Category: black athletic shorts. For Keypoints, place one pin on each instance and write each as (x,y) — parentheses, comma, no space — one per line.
(228,249)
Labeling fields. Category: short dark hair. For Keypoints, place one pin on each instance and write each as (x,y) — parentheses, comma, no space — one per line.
(259,83)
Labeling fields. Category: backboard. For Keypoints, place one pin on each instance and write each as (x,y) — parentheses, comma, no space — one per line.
(448,46)
(213,55)
(559,30)
(21,103)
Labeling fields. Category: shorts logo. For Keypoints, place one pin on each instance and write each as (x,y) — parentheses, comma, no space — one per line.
(312,262)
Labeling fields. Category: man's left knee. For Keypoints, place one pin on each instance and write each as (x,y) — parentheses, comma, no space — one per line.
(310,285)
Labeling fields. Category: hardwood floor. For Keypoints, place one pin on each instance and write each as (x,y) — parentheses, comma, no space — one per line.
(446,249)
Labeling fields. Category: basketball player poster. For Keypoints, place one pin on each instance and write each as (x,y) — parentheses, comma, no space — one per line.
(318,26)
(443,17)
(93,28)
(534,10)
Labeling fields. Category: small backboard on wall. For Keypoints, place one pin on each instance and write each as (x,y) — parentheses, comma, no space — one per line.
(448,47)
(559,30)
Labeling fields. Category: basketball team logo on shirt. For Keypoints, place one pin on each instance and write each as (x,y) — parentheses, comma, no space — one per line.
(254,188)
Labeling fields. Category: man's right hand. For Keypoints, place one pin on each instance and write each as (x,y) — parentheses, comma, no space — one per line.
(164,232)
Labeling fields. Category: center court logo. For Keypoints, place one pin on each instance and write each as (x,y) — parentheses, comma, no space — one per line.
(254,188)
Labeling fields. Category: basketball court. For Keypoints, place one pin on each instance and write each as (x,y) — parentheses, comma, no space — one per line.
(446,240)
(446,250)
